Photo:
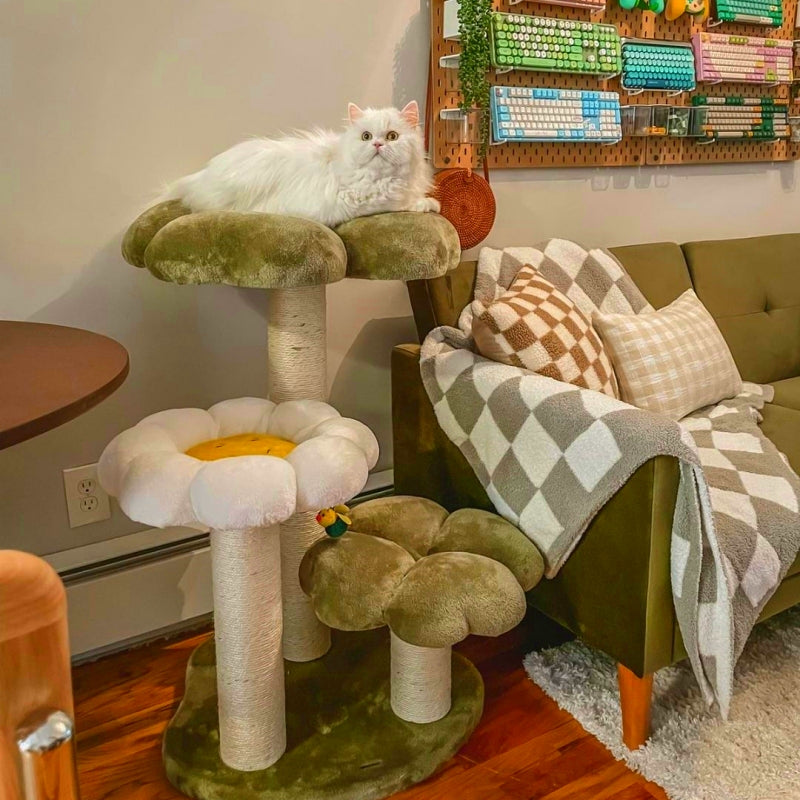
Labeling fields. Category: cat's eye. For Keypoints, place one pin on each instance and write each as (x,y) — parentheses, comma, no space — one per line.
(366,136)
(392,136)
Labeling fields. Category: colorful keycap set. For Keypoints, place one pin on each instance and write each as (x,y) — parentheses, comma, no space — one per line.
(554,115)
(521,41)
(719,118)
(656,65)
(525,42)
(752,12)
(592,5)
(743,59)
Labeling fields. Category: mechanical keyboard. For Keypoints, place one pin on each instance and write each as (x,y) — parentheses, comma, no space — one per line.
(753,12)
(592,5)
(743,59)
(717,118)
(520,41)
(554,115)
(657,65)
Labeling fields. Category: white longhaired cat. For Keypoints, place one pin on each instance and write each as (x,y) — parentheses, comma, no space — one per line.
(377,164)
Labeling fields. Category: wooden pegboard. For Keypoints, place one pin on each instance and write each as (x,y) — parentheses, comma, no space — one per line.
(631,151)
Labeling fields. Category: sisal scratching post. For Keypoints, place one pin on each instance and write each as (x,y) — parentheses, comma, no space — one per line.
(246,568)
(420,681)
(304,636)
(298,370)
(296,344)
(242,468)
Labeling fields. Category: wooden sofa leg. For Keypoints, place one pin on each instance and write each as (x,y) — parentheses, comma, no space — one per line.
(635,694)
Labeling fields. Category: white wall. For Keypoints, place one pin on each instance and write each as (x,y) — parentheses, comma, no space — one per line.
(101,101)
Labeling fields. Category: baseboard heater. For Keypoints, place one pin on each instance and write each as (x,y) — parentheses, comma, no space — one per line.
(145,586)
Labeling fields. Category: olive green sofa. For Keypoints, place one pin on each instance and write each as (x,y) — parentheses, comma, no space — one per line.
(614,591)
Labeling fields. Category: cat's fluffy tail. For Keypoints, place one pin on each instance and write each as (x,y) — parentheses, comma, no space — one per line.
(179,189)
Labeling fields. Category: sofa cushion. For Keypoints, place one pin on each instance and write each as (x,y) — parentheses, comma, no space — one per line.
(752,288)
(782,426)
(658,269)
(787,393)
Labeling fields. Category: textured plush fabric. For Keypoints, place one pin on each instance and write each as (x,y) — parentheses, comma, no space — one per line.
(471,530)
(535,326)
(146,226)
(351,581)
(672,361)
(344,740)
(431,578)
(448,596)
(257,250)
(411,522)
(401,245)
(269,250)
(149,469)
(751,288)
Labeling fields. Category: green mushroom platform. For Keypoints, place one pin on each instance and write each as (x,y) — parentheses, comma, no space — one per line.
(344,741)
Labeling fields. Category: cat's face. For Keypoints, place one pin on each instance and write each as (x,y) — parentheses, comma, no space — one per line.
(383,140)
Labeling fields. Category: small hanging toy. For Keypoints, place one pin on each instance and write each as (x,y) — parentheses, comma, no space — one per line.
(656,6)
(334,520)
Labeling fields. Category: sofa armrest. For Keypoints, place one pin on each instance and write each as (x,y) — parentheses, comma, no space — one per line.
(614,591)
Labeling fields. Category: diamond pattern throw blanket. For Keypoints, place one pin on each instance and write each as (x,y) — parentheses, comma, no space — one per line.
(550,455)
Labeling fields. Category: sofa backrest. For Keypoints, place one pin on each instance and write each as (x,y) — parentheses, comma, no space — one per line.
(750,286)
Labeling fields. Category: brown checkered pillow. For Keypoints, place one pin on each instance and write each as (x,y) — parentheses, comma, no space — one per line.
(535,326)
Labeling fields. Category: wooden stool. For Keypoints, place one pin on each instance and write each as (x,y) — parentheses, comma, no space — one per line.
(37,740)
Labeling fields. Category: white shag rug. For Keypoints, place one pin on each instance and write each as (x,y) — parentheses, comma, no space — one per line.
(692,753)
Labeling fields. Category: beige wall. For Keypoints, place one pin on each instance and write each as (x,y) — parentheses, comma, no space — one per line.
(103,101)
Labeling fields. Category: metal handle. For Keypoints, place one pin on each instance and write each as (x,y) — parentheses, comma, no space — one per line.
(47,766)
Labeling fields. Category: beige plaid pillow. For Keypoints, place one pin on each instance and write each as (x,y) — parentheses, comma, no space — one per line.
(535,326)
(672,361)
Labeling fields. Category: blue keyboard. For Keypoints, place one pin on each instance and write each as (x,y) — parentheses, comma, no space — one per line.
(554,115)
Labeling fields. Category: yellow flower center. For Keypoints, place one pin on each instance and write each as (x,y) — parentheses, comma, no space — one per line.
(244,444)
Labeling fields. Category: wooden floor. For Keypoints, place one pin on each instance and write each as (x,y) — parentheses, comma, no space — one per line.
(524,749)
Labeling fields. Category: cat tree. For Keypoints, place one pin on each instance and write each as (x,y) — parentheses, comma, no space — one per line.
(293,259)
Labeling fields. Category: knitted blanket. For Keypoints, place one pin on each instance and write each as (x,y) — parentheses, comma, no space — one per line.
(550,455)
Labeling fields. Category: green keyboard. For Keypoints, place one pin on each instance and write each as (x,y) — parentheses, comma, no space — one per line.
(753,12)
(520,41)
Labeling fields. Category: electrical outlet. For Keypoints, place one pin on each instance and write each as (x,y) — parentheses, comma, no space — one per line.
(86,500)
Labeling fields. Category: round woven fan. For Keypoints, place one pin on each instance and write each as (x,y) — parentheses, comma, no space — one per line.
(467,202)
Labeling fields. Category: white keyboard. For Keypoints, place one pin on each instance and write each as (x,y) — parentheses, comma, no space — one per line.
(554,115)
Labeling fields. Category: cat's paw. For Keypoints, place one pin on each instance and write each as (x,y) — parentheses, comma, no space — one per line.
(426,204)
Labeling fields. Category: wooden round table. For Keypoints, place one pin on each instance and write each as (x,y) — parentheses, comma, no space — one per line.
(50,374)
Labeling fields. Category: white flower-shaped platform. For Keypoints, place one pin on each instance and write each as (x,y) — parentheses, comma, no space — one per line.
(241,469)
(244,463)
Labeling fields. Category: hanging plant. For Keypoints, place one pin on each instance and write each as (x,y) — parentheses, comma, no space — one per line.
(474,62)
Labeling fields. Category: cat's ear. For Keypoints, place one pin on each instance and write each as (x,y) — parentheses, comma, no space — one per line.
(411,113)
(354,113)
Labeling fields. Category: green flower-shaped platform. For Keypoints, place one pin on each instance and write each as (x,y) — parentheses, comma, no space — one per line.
(269,251)
(344,741)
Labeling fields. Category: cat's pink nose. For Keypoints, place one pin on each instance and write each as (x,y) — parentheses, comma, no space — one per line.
(377,145)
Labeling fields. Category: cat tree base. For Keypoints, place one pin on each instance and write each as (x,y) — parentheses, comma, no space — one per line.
(343,738)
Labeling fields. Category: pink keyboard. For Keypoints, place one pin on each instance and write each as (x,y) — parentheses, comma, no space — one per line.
(592,5)
(742,59)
